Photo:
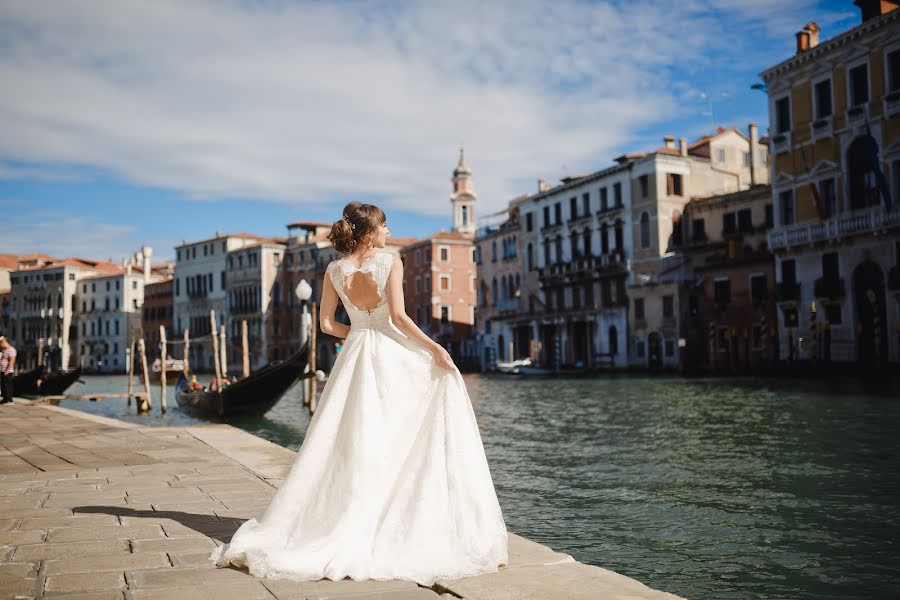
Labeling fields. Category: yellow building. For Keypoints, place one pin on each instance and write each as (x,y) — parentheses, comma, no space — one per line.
(834,112)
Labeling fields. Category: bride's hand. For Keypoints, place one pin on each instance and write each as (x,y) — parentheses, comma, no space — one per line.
(442,357)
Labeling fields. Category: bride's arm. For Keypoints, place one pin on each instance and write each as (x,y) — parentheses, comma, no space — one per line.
(401,320)
(327,306)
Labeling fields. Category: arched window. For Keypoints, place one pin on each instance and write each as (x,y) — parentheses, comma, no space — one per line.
(645,230)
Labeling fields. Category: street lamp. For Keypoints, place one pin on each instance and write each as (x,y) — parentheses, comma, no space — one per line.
(303,291)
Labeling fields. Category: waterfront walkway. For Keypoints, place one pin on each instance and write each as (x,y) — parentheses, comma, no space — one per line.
(97,509)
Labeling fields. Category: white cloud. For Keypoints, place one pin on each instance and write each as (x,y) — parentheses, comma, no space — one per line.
(305,102)
(62,234)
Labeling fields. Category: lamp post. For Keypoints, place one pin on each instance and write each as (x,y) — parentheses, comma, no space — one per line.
(303,291)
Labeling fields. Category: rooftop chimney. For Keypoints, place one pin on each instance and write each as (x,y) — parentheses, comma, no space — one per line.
(875,8)
(669,141)
(543,186)
(754,154)
(808,37)
(146,253)
(682,146)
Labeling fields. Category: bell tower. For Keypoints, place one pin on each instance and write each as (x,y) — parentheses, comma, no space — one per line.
(463,198)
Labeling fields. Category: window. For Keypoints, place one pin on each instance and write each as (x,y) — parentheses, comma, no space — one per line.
(729,223)
(108,283)
(669,307)
(770,216)
(494,251)
(786,204)
(573,207)
(858,81)
(445,282)
(723,291)
(674,184)
(445,313)
(617,194)
(474,256)
(178,255)
(585,204)
(669,348)
(828,195)
(782,115)
(529,221)
(222,280)
(893,71)
(746,158)
(645,230)
(644,181)
(530,256)
(547,222)
(613,340)
(639,348)
(720,155)
(557,212)
(759,290)
(830,266)
(465,215)
(205,250)
(604,239)
(823,99)
(134,284)
(604,198)
(745,220)
(698,230)
(788,272)
(639,309)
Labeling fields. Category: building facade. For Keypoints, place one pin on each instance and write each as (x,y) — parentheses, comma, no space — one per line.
(157,312)
(834,110)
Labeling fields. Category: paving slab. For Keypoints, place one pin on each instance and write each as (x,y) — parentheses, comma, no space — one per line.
(95,509)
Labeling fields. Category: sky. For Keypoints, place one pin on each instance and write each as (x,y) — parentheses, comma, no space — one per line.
(127,122)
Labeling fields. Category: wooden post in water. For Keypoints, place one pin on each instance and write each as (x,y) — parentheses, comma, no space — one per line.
(245,349)
(162,369)
(312,357)
(218,374)
(223,355)
(40,355)
(186,353)
(130,366)
(146,403)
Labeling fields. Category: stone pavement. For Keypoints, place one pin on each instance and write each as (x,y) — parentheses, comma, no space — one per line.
(97,509)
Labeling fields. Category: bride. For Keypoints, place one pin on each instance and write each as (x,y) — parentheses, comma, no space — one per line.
(391,481)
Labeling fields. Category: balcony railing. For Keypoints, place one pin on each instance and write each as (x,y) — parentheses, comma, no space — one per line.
(833,229)
(822,128)
(892,103)
(586,265)
(830,287)
(787,292)
(781,142)
(856,115)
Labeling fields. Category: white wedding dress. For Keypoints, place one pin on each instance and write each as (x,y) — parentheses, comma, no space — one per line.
(391,481)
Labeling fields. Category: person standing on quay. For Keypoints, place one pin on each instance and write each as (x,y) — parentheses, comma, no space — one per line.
(7,364)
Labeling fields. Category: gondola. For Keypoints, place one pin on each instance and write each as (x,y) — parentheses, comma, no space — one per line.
(253,395)
(38,382)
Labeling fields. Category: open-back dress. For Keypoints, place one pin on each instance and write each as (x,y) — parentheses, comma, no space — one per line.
(391,481)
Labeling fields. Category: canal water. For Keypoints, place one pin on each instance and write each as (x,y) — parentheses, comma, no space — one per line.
(708,488)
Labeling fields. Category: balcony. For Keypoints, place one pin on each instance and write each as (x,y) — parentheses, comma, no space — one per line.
(781,142)
(610,210)
(860,222)
(822,128)
(856,115)
(787,292)
(892,103)
(831,288)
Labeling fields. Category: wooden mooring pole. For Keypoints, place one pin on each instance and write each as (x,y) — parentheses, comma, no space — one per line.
(218,374)
(146,403)
(162,369)
(245,349)
(187,352)
(130,366)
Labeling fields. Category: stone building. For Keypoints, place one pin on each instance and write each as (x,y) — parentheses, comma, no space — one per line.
(663,181)
(42,308)
(200,286)
(834,111)
(157,312)
(726,316)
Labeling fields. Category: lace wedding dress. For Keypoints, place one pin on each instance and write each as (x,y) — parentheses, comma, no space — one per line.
(391,481)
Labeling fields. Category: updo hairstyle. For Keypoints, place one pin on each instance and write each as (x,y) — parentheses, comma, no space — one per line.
(357,223)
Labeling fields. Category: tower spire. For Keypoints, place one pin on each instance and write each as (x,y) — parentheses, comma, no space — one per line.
(463,197)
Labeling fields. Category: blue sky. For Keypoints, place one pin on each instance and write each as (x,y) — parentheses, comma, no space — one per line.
(130,122)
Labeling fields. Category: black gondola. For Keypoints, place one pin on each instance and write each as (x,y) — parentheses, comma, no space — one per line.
(253,395)
(38,382)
